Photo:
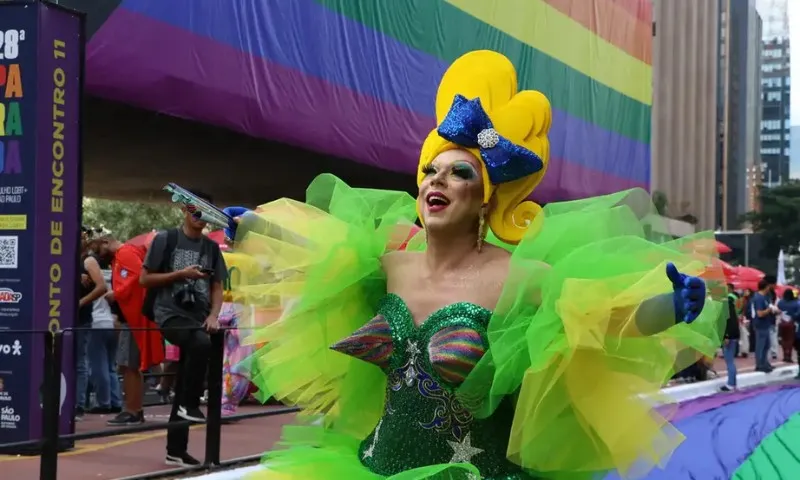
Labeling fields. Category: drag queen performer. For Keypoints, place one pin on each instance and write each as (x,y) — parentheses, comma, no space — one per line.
(506,342)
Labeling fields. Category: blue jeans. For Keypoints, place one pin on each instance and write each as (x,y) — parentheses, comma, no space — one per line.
(762,348)
(103,360)
(81,368)
(729,351)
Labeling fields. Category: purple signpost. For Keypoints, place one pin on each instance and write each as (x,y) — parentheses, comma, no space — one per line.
(41,78)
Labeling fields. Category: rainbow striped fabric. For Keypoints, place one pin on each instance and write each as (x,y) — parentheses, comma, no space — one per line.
(357,79)
(752,434)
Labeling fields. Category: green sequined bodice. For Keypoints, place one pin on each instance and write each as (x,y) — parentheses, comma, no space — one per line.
(423,423)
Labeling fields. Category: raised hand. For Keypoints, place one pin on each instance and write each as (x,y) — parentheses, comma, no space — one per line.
(688,294)
(235,213)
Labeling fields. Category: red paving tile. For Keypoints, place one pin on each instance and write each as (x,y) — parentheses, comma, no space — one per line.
(135,454)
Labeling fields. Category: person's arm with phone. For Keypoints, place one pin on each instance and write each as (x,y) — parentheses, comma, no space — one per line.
(152,278)
(220,273)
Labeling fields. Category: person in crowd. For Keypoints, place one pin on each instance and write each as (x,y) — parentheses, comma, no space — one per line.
(790,309)
(763,324)
(745,339)
(169,368)
(103,340)
(140,342)
(187,270)
(797,343)
(84,320)
(241,270)
(749,314)
(731,339)
(773,339)
(235,381)
(93,287)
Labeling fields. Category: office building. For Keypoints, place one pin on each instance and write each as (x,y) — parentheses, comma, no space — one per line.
(753,166)
(754,185)
(776,86)
(775,123)
(738,109)
(684,126)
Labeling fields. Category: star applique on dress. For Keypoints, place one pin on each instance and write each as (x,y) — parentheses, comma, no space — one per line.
(463,451)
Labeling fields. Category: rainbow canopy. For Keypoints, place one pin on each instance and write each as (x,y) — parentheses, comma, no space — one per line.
(357,79)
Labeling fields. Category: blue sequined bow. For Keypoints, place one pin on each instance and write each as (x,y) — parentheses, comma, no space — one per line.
(468,126)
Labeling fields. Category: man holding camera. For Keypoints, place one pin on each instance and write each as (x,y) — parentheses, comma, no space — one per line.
(187,270)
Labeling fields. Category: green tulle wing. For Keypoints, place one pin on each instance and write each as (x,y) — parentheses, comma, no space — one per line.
(565,342)
(326,279)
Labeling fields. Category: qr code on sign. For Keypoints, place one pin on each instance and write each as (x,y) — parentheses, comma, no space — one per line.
(9,251)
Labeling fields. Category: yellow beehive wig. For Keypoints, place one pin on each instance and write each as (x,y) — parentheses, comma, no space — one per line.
(524,118)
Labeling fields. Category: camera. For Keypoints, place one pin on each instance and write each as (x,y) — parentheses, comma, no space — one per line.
(185,296)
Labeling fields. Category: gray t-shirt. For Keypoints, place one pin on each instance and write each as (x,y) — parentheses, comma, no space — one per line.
(188,252)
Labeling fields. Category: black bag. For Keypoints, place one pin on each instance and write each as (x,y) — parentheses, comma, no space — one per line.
(148,307)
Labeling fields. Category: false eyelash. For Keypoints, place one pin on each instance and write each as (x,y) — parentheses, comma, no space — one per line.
(428,169)
(465,172)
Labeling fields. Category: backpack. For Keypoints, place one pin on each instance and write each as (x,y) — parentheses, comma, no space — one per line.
(148,307)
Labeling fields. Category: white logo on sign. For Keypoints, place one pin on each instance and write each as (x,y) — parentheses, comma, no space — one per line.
(13,349)
(8,419)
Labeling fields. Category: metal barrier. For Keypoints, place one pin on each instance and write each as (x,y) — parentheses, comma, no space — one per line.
(52,442)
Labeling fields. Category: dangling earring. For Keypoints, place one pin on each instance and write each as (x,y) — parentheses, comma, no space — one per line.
(481,227)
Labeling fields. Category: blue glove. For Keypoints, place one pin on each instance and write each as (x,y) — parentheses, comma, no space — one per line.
(688,295)
(234,212)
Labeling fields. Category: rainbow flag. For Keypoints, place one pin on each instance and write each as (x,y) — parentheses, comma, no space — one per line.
(752,434)
(357,78)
